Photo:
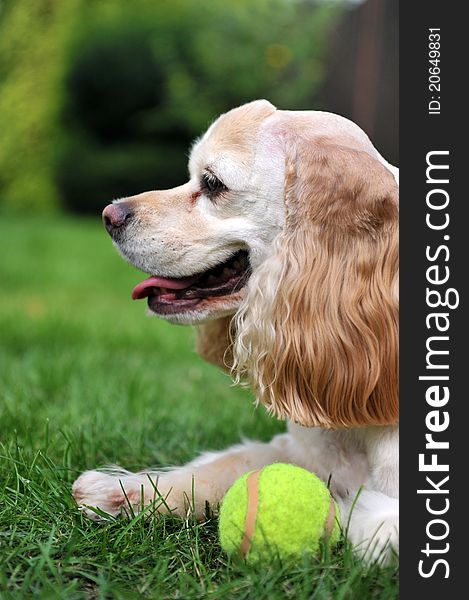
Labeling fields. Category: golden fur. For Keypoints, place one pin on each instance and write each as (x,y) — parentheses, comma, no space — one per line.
(318,333)
(214,342)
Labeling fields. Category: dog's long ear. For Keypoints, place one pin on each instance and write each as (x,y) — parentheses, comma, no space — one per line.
(318,332)
(214,342)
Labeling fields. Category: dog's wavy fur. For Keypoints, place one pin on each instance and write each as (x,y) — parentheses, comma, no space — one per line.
(315,332)
(317,335)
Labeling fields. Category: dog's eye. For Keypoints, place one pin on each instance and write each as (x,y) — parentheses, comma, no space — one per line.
(211,185)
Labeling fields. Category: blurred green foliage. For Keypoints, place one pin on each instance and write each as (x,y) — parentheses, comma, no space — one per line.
(32,66)
(101,98)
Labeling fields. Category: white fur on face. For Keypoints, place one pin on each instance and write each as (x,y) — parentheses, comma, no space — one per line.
(182,232)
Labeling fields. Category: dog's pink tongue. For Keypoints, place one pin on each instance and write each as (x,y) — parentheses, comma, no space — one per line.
(142,290)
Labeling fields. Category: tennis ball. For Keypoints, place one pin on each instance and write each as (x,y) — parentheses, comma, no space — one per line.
(280,509)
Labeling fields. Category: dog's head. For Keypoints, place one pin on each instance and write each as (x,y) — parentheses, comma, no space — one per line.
(200,242)
(289,220)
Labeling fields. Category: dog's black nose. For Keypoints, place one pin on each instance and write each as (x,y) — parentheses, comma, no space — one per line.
(116,216)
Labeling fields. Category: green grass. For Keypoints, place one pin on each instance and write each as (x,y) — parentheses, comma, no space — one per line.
(87,379)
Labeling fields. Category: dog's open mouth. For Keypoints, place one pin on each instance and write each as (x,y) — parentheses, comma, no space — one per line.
(168,295)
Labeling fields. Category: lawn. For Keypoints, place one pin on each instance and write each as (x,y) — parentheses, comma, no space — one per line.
(87,379)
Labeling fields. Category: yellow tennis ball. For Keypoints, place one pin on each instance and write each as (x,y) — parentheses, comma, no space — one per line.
(280,509)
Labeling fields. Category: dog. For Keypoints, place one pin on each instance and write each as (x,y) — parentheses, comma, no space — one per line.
(282,250)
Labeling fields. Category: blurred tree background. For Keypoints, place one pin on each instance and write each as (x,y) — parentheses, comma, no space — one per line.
(101,98)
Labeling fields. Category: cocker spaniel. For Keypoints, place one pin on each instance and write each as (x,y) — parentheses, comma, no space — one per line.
(282,250)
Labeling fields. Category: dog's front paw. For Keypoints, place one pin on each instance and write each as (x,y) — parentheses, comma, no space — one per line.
(382,545)
(109,493)
(374,527)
